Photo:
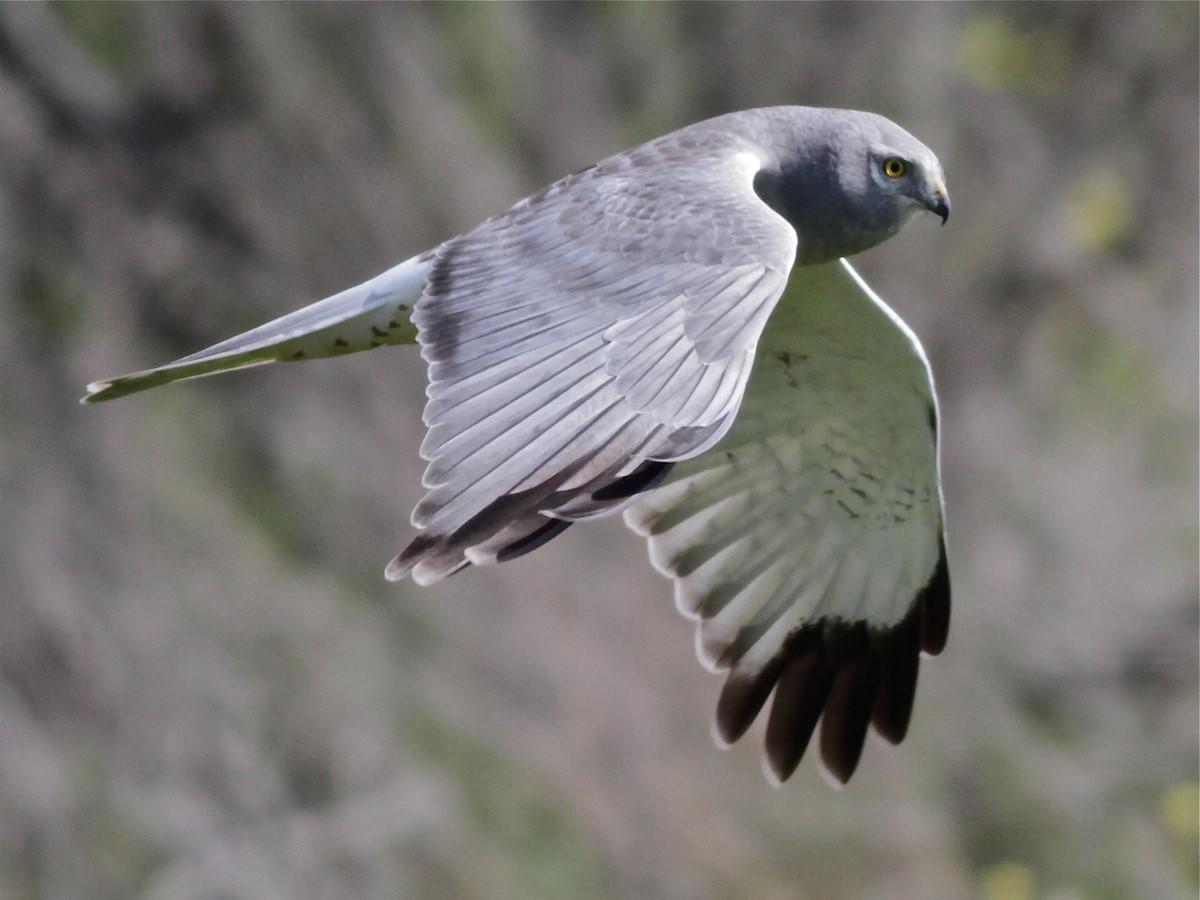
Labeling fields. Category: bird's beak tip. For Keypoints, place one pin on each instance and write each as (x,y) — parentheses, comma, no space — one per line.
(941,207)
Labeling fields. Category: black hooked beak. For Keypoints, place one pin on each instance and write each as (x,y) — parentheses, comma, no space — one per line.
(940,204)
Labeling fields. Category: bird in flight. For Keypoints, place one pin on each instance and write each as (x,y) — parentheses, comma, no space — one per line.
(673,332)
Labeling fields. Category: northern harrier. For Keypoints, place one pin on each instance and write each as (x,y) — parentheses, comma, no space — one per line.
(617,341)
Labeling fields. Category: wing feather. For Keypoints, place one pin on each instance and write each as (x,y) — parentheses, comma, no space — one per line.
(606,322)
(505,377)
(808,542)
(511,455)
(516,409)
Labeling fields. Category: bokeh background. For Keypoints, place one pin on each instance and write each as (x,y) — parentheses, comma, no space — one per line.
(208,690)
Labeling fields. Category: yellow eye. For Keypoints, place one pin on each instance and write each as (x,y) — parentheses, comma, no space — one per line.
(894,167)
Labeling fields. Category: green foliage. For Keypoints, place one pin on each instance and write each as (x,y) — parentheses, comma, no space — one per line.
(512,808)
(1179,812)
(1113,375)
(117,848)
(1099,211)
(108,31)
(1008,881)
(487,66)
(1035,61)
(52,310)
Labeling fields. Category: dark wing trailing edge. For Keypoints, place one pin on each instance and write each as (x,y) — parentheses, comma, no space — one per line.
(644,478)
(809,542)
(585,338)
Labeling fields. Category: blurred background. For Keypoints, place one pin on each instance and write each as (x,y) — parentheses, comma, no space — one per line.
(208,690)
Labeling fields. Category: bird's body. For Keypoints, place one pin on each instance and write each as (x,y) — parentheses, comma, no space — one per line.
(605,329)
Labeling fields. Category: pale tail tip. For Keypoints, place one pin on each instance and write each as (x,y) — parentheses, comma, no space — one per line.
(112,388)
(95,392)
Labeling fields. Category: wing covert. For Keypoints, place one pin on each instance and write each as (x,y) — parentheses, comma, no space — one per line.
(607,321)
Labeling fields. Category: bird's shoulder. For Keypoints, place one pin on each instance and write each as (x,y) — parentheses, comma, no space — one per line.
(687,196)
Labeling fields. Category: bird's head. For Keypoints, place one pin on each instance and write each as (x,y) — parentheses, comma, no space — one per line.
(885,176)
(904,176)
(848,180)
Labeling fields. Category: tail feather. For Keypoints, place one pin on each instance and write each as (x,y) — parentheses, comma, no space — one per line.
(372,314)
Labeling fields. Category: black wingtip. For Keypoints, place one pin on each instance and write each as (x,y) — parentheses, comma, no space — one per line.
(742,699)
(841,674)
(847,714)
(934,604)
(800,696)
(901,660)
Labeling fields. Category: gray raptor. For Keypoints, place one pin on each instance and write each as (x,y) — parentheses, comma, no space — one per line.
(603,345)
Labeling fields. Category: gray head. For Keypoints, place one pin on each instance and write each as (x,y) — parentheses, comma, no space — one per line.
(846,180)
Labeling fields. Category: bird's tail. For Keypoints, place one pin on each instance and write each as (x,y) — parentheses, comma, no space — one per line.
(372,314)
